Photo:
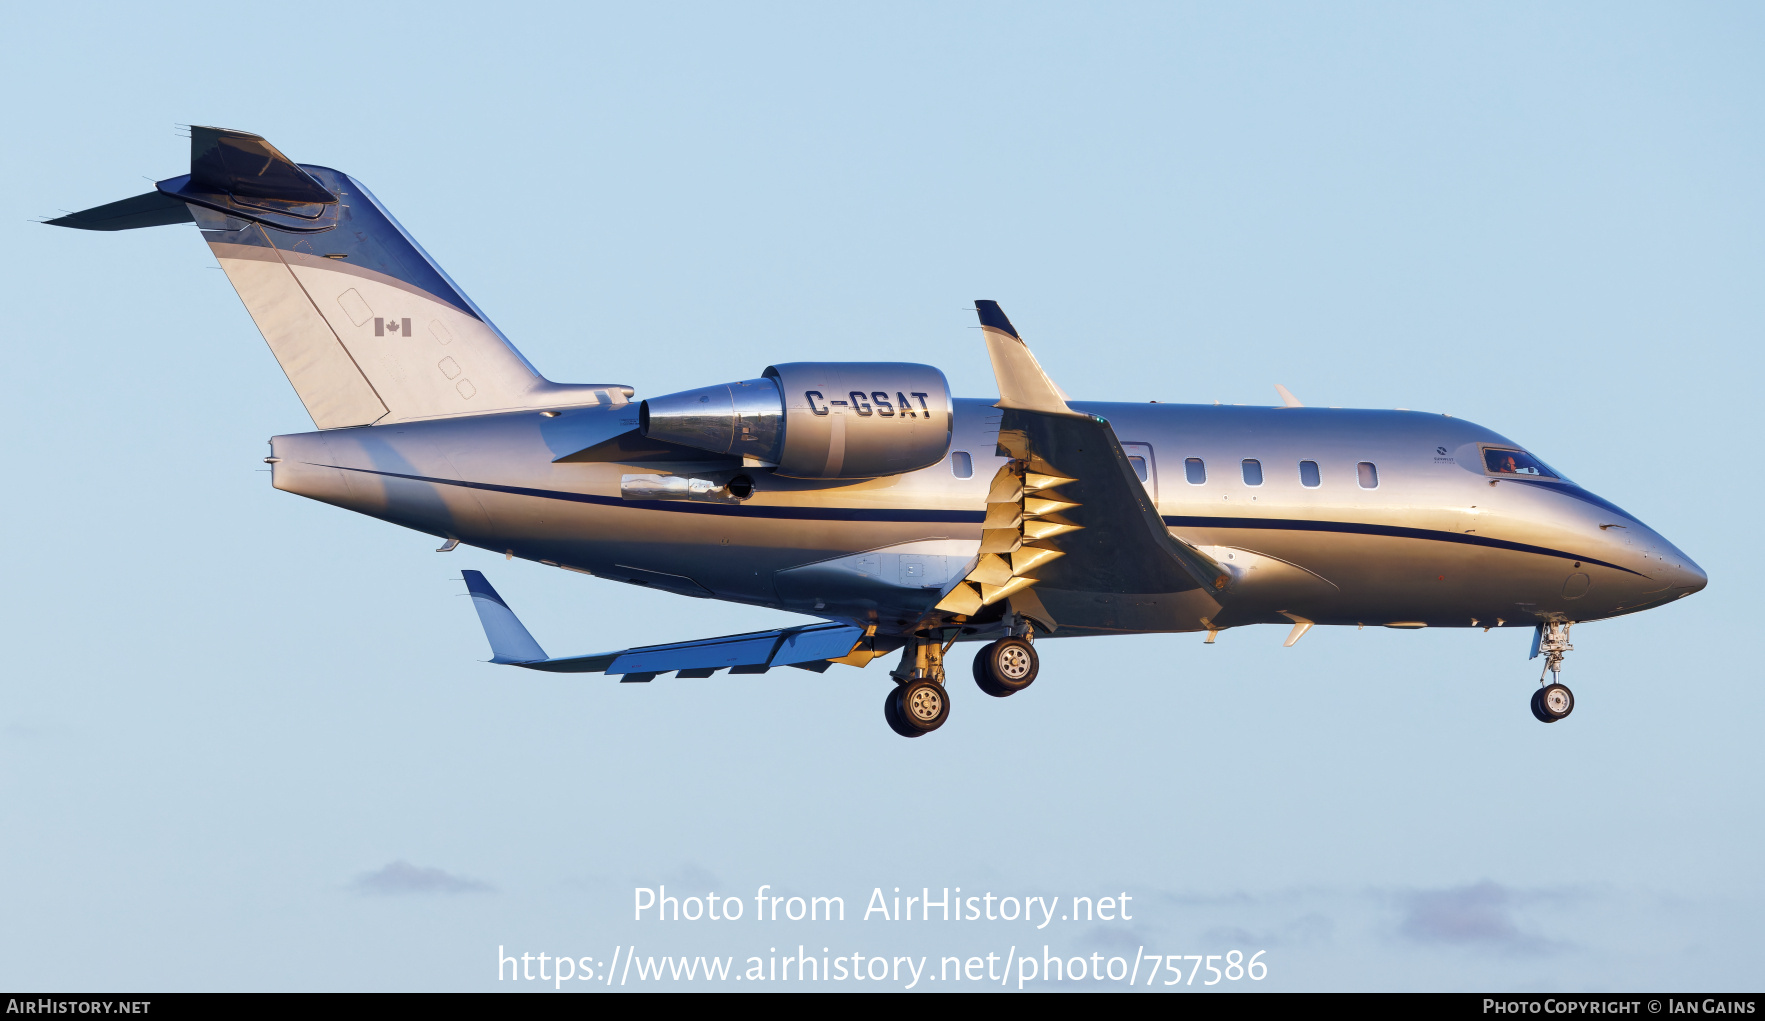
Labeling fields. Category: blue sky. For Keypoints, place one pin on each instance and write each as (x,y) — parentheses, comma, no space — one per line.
(246,741)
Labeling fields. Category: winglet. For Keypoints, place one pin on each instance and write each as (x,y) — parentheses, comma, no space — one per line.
(1022,383)
(1287,398)
(509,640)
(993,317)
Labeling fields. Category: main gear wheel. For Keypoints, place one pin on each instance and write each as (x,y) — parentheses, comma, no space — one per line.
(1006,667)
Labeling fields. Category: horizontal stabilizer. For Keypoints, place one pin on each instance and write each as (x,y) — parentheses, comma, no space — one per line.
(244,165)
(154,209)
(811,645)
(227,169)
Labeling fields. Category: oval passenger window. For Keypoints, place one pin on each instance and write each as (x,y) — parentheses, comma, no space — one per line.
(1308,474)
(1195,471)
(961,464)
(1252,472)
(1369,474)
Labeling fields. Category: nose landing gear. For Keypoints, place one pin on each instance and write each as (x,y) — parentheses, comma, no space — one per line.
(1553,701)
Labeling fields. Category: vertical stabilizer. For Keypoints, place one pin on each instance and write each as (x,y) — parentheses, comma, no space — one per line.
(318,364)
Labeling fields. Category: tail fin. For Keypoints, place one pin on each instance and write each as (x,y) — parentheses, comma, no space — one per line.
(367,327)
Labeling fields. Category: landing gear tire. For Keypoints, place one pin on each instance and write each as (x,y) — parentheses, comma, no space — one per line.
(892,713)
(918,707)
(1006,667)
(1553,702)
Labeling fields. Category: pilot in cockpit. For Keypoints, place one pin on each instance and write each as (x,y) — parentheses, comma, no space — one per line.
(1515,462)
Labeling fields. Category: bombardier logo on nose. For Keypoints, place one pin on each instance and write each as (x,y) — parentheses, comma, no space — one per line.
(396,327)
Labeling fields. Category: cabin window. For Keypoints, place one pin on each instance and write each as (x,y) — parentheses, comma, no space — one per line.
(961,464)
(1195,471)
(1515,462)
(1139,464)
(1308,475)
(1252,472)
(1369,474)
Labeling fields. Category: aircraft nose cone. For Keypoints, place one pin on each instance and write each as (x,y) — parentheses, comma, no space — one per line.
(1690,577)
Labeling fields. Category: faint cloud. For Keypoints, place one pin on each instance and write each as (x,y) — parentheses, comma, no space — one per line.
(1481,914)
(1314,927)
(693,876)
(1125,940)
(401,877)
(1309,929)
(1237,898)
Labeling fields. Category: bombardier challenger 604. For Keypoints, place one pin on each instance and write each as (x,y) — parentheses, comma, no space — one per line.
(864,494)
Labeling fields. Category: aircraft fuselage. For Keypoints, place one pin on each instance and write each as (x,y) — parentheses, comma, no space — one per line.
(1430,536)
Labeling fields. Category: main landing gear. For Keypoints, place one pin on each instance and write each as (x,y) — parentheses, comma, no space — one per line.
(916,708)
(1553,700)
(918,703)
(1006,667)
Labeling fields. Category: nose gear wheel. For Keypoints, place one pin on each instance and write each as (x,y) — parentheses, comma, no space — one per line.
(1552,703)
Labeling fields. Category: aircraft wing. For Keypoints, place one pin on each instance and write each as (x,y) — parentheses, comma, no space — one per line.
(809,647)
(1072,537)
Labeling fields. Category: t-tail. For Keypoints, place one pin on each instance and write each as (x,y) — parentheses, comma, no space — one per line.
(365,324)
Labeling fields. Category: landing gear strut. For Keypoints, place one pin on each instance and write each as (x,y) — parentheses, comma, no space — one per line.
(918,703)
(1553,700)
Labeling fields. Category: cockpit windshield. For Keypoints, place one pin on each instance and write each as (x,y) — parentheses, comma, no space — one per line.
(1515,462)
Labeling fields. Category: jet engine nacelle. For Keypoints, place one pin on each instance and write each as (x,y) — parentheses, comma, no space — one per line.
(815,420)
